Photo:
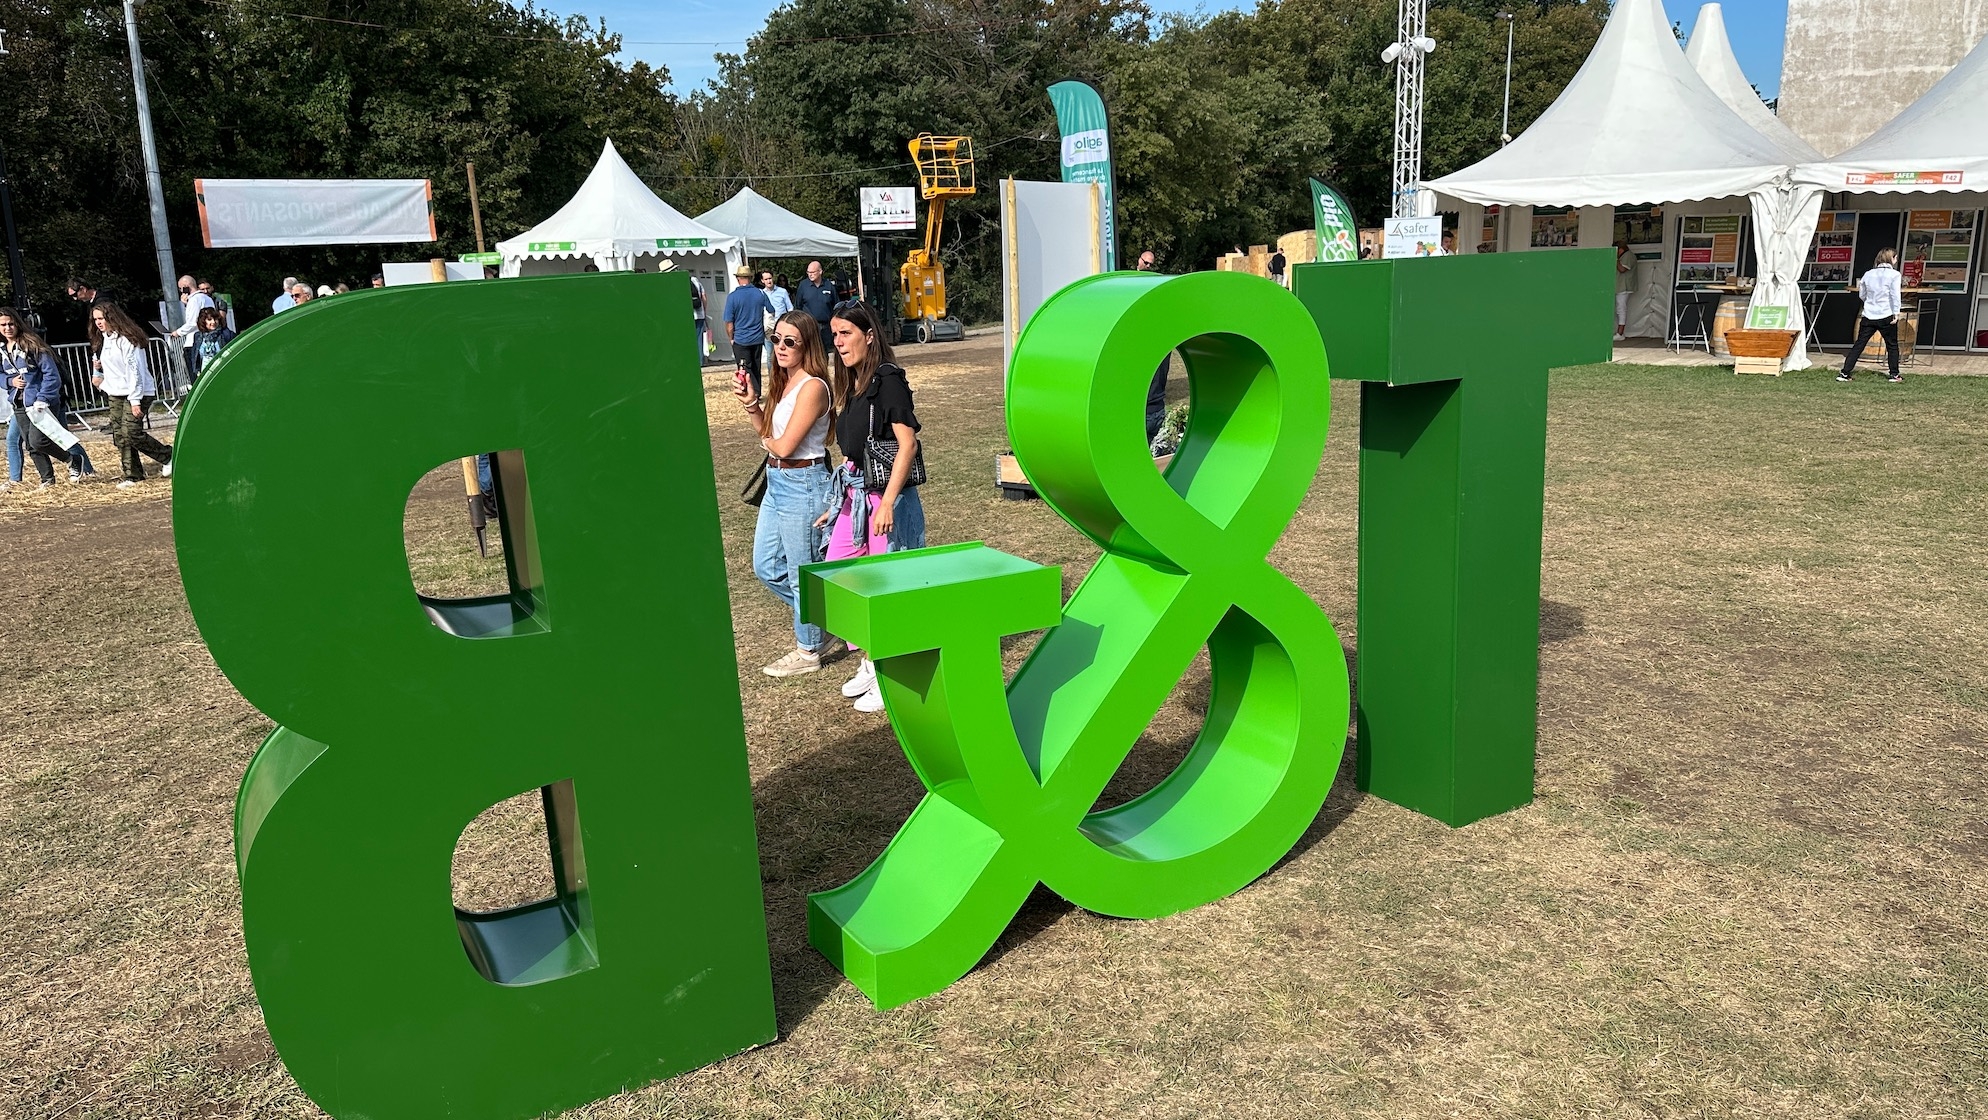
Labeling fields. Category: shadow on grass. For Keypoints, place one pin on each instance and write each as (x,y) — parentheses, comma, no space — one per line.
(824,818)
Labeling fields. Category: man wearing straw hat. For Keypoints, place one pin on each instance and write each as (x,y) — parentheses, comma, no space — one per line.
(745,311)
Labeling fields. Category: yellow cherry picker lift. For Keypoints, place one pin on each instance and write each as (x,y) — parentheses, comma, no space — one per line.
(945,171)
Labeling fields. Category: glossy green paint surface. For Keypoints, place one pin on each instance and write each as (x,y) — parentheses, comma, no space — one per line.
(605,680)
(1453,354)
(1014,773)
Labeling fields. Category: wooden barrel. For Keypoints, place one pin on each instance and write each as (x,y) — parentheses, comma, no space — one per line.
(1730,316)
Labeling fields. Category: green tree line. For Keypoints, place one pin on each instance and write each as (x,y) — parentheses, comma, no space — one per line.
(1217,119)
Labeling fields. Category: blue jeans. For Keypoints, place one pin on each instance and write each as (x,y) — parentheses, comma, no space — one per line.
(14,446)
(907,530)
(786,538)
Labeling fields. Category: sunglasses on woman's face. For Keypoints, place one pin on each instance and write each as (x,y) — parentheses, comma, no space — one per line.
(787,341)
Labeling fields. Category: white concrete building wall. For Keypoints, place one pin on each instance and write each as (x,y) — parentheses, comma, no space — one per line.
(1851,65)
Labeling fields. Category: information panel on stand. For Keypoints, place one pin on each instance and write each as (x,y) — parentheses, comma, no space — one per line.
(1939,245)
(1708,249)
(1831,250)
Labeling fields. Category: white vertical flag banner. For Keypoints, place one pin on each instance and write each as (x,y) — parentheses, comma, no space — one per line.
(240,213)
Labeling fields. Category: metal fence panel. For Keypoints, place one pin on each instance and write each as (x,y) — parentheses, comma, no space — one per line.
(84,399)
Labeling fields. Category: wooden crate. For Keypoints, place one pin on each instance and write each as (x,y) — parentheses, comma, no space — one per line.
(1743,363)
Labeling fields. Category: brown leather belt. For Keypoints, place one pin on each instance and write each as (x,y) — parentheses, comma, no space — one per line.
(794,464)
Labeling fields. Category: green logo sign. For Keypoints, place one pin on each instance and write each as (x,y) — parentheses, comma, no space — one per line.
(481,258)
(548,246)
(1768,317)
(680,242)
(650,958)
(1338,235)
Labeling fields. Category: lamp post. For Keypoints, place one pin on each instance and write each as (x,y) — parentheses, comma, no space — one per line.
(1505,132)
(154,185)
(15,273)
(1410,47)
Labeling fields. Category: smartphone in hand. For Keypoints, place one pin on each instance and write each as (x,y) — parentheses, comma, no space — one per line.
(740,379)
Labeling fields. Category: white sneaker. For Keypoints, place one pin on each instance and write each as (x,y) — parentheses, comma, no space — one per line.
(796,662)
(864,680)
(871,701)
(166,471)
(44,486)
(125,484)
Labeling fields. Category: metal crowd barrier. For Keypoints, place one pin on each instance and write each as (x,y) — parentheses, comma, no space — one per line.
(88,402)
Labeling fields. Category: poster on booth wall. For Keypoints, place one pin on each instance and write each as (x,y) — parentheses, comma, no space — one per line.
(1708,250)
(1939,245)
(1413,237)
(1831,251)
(1556,227)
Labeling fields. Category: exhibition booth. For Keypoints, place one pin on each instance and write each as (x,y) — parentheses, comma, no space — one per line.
(1643,147)
(1919,186)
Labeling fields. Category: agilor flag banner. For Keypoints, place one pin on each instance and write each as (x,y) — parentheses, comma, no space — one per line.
(239,213)
(1080,118)
(1338,234)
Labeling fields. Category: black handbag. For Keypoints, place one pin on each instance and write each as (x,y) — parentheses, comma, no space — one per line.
(880,458)
(754,491)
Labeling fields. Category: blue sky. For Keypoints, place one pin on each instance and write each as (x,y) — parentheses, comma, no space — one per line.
(684,34)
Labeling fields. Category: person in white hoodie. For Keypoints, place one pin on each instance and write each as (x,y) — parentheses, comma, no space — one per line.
(126,378)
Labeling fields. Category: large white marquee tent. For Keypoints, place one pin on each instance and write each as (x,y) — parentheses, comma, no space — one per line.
(768,229)
(617,224)
(1938,143)
(1639,124)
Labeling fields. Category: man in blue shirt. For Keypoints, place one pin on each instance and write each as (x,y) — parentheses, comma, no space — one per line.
(818,298)
(284,301)
(745,314)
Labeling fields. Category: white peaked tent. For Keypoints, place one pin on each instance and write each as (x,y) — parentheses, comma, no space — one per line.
(1939,143)
(771,230)
(1639,125)
(1710,53)
(617,224)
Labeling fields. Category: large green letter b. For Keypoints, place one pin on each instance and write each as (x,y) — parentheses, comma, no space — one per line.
(605,678)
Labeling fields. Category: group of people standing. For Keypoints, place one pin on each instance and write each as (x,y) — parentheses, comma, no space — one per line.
(851,395)
(37,412)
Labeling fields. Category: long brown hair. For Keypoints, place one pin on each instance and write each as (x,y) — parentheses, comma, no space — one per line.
(29,342)
(120,325)
(813,363)
(850,384)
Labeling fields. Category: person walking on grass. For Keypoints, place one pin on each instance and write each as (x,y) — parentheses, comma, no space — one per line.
(795,432)
(745,311)
(1882,294)
(126,378)
(874,399)
(778,303)
(33,387)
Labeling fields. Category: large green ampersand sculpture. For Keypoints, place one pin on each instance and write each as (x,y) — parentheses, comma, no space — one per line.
(604,679)
(1013,775)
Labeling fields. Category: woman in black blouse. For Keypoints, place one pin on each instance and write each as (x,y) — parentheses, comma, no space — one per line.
(872,401)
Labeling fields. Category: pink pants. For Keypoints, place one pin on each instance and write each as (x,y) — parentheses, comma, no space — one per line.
(842,544)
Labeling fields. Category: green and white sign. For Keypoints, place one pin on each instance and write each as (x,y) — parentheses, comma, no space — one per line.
(548,246)
(1080,116)
(1768,317)
(481,258)
(1338,234)
(680,242)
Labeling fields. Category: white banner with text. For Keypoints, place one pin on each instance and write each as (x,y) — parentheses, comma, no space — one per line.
(239,213)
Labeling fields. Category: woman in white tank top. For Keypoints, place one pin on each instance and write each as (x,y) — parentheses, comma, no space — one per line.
(794,432)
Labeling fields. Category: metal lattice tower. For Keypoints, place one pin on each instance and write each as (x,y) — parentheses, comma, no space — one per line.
(1412,29)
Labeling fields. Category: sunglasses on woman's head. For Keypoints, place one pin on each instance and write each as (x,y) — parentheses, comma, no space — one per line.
(787,341)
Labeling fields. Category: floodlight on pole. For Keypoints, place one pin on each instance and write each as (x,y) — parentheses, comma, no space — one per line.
(1505,132)
(1411,46)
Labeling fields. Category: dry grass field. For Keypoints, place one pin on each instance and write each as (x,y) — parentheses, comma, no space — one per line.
(1751,884)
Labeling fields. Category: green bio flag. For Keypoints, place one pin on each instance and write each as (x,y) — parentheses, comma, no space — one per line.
(1338,236)
(1080,117)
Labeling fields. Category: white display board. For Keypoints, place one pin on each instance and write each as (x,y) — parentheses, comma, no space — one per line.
(1413,237)
(421,272)
(1051,235)
(887,208)
(238,213)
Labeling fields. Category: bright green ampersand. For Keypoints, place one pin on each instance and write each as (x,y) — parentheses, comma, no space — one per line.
(1013,775)
(603,679)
